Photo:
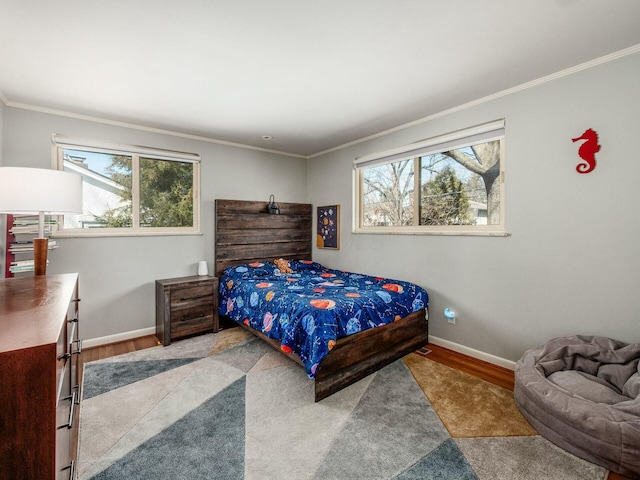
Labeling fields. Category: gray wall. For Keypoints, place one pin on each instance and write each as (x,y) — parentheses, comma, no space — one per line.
(117,274)
(572,262)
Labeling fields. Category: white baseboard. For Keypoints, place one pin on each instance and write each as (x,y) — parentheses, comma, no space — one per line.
(118,337)
(486,357)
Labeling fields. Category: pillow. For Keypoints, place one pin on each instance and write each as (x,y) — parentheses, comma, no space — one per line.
(250,270)
(283,265)
(305,265)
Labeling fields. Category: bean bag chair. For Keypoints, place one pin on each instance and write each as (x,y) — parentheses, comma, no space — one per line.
(583,394)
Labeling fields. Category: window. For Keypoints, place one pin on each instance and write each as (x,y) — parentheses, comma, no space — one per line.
(451,184)
(131,190)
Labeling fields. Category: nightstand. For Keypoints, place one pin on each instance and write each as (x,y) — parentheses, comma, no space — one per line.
(186,306)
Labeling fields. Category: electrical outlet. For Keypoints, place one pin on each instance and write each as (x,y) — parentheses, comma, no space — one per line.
(450,315)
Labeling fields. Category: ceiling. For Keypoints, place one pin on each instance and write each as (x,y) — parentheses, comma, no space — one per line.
(312,74)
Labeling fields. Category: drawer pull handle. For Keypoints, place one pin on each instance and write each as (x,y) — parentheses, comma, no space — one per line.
(73,320)
(184,319)
(78,388)
(79,350)
(76,300)
(71,467)
(182,299)
(69,424)
(64,356)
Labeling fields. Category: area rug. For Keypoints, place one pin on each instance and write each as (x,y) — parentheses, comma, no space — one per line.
(225,406)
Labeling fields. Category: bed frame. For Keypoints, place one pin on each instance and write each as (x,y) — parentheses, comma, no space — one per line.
(245,232)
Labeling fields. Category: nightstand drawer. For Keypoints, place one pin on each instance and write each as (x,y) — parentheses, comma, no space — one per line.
(191,312)
(187,321)
(190,296)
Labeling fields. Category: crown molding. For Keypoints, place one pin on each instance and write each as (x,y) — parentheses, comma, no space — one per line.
(134,126)
(533,83)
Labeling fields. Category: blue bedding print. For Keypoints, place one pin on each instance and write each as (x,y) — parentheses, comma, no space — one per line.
(311,308)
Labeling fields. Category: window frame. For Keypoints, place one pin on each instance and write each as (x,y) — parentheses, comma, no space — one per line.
(482,133)
(60,143)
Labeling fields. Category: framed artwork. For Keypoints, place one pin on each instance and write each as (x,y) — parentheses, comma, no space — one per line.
(328,231)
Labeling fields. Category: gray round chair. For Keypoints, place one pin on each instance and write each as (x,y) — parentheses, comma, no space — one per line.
(583,394)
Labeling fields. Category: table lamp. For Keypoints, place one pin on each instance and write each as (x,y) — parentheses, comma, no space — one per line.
(39,191)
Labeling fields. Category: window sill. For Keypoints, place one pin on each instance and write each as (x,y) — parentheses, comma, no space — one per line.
(423,231)
(101,233)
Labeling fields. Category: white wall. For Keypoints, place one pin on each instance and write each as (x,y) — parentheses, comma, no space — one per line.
(572,262)
(117,274)
(2,217)
(2,109)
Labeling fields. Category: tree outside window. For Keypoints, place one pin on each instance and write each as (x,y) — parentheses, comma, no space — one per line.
(132,193)
(445,190)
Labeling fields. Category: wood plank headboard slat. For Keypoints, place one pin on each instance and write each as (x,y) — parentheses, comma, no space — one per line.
(239,221)
(266,250)
(252,207)
(244,237)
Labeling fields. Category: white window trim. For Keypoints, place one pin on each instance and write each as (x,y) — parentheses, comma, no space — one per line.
(60,142)
(461,138)
(148,152)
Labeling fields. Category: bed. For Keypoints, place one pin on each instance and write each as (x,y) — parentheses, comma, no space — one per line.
(249,241)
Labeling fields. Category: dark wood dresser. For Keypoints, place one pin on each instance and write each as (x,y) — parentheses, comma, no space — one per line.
(186,306)
(39,377)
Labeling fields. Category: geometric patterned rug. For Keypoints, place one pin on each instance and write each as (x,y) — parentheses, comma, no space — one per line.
(229,406)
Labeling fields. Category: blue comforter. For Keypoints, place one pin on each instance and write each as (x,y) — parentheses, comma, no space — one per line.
(309,309)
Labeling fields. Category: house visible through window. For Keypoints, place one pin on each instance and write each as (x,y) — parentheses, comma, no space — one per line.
(131,190)
(451,184)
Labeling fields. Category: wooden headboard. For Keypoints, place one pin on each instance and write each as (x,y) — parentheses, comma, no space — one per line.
(246,232)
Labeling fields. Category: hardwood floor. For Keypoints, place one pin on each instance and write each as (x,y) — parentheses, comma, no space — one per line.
(111,350)
(500,376)
(503,377)
(495,374)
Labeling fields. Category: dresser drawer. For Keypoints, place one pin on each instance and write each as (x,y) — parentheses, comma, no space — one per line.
(61,362)
(65,424)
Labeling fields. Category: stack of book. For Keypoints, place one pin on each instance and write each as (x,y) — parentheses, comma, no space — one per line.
(29,225)
(24,246)
(22,266)
(20,236)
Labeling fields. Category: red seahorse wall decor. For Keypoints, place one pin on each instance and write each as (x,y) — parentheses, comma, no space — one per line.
(587,151)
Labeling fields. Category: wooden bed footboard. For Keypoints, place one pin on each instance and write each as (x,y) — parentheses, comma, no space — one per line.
(356,356)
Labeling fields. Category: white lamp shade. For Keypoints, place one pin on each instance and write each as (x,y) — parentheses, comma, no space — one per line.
(36,190)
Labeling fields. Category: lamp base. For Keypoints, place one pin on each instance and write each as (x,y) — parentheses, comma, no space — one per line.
(40,248)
